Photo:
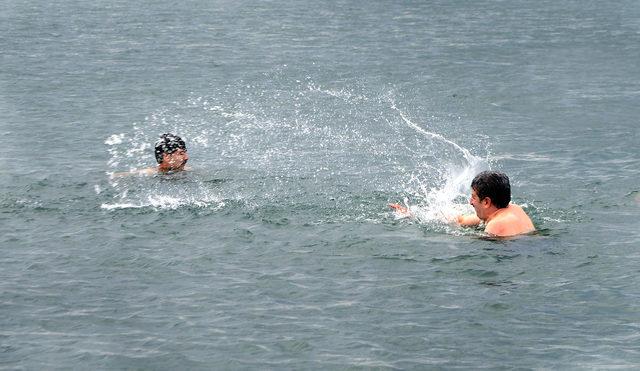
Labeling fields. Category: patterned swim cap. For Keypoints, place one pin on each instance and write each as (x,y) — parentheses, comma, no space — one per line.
(168,143)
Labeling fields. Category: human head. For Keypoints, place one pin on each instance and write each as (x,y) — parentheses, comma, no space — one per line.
(171,152)
(168,143)
(495,186)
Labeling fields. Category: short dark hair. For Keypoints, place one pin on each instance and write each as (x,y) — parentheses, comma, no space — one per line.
(494,185)
(168,143)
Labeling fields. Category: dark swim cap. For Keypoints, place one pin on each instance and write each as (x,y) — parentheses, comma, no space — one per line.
(168,143)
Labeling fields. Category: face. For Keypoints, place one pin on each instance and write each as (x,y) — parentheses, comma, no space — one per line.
(478,205)
(175,160)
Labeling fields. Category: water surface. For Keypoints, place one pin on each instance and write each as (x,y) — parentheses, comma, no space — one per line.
(303,120)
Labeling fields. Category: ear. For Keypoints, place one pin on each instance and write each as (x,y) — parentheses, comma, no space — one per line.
(486,202)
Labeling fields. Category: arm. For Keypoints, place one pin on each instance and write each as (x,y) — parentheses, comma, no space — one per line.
(468,220)
(401,210)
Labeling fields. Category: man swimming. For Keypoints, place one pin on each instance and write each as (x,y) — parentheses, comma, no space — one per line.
(171,155)
(490,198)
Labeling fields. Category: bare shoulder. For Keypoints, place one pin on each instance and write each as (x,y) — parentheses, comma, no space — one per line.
(511,222)
(515,208)
(521,215)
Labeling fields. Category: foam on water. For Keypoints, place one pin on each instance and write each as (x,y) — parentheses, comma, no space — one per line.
(166,202)
(169,191)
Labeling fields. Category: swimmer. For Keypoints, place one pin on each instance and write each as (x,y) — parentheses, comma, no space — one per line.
(490,198)
(171,155)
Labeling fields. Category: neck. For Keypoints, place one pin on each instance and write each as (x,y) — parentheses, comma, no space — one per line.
(166,168)
(493,213)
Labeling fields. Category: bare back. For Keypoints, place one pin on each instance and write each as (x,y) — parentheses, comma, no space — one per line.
(509,221)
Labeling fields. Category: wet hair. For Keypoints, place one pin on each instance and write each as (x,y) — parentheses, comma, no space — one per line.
(168,143)
(494,185)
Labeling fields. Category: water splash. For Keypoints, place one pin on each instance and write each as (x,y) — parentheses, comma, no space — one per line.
(441,201)
(170,191)
(167,202)
(341,152)
(465,152)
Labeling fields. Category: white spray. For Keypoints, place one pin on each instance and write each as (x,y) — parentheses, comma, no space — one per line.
(441,203)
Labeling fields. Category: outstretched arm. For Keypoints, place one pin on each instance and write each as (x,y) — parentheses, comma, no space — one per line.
(402,210)
(469,220)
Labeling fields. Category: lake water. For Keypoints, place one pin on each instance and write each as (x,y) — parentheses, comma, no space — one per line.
(303,119)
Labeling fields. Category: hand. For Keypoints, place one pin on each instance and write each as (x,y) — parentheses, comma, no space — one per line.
(400,209)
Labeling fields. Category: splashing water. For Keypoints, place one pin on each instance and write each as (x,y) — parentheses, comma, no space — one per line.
(161,192)
(166,202)
(344,152)
(440,201)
